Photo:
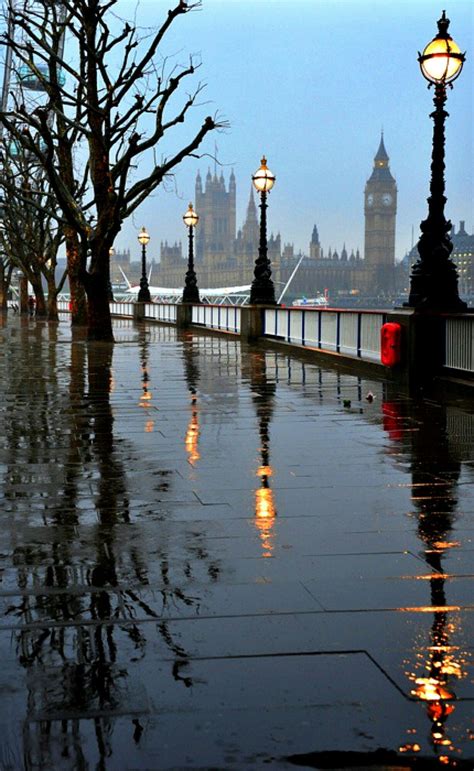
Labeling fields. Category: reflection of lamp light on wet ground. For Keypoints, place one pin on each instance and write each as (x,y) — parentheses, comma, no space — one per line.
(146,395)
(265,511)
(192,433)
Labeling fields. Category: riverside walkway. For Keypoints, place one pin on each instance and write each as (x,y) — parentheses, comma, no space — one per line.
(216,556)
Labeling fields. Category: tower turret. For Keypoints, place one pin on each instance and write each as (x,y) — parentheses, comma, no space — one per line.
(198,186)
(380,209)
(314,245)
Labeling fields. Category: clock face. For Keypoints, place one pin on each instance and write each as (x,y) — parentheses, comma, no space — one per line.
(370,199)
(386,199)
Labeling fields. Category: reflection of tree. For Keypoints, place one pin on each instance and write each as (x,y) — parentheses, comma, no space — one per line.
(82,657)
(81,570)
(263,392)
(435,473)
(75,439)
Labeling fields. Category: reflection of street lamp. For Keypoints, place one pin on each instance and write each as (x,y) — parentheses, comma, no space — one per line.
(262,291)
(144,293)
(190,291)
(434,283)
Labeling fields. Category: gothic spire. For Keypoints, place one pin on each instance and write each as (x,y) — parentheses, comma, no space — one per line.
(315,236)
(382,154)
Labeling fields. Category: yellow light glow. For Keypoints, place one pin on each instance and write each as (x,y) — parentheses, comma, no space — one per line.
(149,426)
(446,544)
(430,576)
(431,609)
(143,237)
(438,63)
(451,667)
(192,438)
(409,748)
(191,218)
(430,689)
(263,179)
(265,513)
(436,711)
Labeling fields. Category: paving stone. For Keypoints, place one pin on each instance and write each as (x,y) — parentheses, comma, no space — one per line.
(218,565)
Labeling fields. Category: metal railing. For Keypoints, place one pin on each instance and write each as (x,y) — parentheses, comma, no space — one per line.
(225,318)
(160,312)
(353,333)
(459,341)
(349,332)
(122,309)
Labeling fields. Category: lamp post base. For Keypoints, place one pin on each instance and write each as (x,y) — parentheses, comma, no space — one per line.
(434,289)
(191,295)
(262,293)
(144,292)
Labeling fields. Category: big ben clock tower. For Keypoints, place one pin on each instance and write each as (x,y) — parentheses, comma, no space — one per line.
(380,213)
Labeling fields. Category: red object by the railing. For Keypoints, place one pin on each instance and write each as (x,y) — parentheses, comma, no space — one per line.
(391,344)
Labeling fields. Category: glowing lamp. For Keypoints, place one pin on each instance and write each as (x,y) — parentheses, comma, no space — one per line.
(143,237)
(263,179)
(441,60)
(191,218)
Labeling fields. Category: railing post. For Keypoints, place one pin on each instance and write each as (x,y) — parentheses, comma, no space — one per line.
(252,321)
(138,311)
(184,315)
(359,335)
(423,347)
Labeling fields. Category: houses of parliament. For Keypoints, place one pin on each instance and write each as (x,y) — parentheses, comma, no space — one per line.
(225,256)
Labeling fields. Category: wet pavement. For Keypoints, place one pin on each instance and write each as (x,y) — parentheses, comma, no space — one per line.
(214,556)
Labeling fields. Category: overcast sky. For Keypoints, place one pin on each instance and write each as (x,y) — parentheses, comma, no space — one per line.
(310,83)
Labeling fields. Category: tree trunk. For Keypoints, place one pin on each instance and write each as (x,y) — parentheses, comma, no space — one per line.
(99,322)
(52,299)
(3,289)
(40,309)
(23,281)
(76,287)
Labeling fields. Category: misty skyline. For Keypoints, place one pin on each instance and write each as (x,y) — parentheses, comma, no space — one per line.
(311,84)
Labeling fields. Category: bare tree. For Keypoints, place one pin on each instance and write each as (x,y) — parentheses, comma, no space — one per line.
(31,235)
(6,270)
(114,90)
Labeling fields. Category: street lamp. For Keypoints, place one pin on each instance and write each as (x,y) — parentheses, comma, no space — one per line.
(262,291)
(190,291)
(144,293)
(434,280)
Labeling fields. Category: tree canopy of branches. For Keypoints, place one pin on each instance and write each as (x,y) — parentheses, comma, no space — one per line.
(109,100)
(28,241)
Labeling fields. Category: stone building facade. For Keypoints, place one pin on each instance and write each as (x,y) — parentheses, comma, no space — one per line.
(462,256)
(226,257)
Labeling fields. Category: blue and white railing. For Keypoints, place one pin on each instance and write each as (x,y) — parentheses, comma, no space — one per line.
(353,333)
(225,318)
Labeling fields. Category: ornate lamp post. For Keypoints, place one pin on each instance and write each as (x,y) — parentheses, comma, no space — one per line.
(190,291)
(262,291)
(434,281)
(144,293)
